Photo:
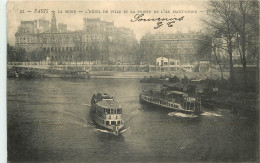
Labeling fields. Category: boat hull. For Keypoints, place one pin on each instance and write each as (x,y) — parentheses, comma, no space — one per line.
(142,101)
(98,122)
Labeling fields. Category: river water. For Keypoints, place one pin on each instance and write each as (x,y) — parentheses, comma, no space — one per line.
(48,120)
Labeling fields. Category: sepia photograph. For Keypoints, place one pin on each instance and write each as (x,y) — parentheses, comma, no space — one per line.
(132,81)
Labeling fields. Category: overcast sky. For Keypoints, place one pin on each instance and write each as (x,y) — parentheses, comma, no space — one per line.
(75,21)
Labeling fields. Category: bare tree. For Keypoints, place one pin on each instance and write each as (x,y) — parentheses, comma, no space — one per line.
(214,51)
(245,19)
(219,22)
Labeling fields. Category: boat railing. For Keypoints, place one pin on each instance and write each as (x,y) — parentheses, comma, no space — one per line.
(186,103)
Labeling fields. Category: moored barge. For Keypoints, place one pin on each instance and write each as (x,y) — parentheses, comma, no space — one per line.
(107,113)
(174,100)
(76,74)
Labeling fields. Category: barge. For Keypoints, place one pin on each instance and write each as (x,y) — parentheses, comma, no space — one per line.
(173,100)
(76,74)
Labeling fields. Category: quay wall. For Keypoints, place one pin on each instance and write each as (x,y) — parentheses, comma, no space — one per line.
(116,71)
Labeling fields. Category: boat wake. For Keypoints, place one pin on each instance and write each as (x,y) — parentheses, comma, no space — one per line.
(210,114)
(105,131)
(89,122)
(177,114)
(109,132)
(124,130)
(81,124)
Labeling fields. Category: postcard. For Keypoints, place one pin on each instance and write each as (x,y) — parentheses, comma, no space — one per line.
(132,81)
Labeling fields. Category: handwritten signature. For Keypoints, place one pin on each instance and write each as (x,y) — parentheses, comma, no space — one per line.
(160,21)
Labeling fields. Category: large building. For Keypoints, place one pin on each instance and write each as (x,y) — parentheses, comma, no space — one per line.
(181,46)
(98,40)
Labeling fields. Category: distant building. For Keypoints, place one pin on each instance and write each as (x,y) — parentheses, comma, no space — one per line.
(99,40)
(221,49)
(43,25)
(162,61)
(174,62)
(62,27)
(181,46)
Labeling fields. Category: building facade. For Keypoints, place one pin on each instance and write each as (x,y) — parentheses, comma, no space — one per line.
(170,62)
(181,46)
(98,40)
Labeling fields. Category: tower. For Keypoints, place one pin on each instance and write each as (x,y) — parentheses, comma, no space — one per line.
(53,22)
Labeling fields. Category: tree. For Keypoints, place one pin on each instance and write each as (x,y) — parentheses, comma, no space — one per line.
(15,54)
(93,53)
(82,57)
(245,19)
(219,22)
(214,51)
(37,55)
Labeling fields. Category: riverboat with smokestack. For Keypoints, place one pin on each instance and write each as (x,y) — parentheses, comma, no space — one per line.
(107,113)
(174,100)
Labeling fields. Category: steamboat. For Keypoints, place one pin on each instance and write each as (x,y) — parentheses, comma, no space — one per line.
(106,113)
(175,100)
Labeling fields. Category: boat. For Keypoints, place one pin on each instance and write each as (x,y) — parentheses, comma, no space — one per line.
(31,74)
(76,74)
(106,113)
(174,100)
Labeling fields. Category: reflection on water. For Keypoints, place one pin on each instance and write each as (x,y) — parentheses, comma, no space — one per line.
(48,120)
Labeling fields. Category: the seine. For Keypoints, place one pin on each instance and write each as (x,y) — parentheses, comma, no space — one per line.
(48,120)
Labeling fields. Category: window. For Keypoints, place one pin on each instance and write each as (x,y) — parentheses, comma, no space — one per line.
(119,111)
(112,111)
(118,123)
(107,122)
(108,111)
(113,122)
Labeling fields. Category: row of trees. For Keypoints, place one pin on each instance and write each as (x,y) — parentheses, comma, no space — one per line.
(16,54)
(113,54)
(237,24)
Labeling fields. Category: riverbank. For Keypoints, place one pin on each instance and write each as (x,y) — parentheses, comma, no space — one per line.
(113,71)
(244,104)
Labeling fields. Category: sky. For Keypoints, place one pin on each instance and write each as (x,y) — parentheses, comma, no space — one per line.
(191,10)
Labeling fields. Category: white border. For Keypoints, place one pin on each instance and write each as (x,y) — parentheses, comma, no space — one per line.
(3,127)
